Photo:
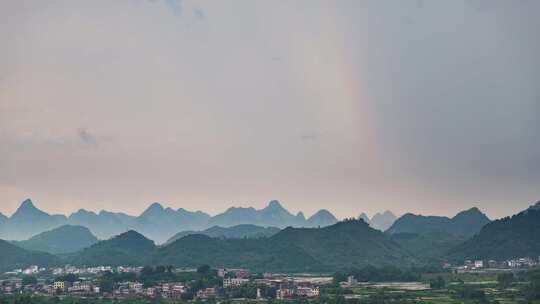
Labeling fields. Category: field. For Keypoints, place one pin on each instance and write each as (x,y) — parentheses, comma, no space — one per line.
(446,288)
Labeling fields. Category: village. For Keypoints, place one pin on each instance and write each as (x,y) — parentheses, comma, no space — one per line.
(220,283)
(203,283)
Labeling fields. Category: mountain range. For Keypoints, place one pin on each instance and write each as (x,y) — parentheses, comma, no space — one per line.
(433,236)
(343,245)
(28,221)
(380,221)
(412,240)
(156,222)
(506,238)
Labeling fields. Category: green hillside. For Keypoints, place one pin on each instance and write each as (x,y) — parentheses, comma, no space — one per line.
(12,257)
(510,237)
(343,245)
(129,248)
(64,239)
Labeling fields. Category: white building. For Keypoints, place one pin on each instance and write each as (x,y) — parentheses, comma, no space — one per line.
(232,282)
(310,292)
(31,270)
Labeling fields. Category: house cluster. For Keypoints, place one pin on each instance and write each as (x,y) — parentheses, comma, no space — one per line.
(288,288)
(88,284)
(79,288)
(68,269)
(11,286)
(238,273)
(292,289)
(164,290)
(233,277)
(517,263)
(351,281)
(171,291)
(31,270)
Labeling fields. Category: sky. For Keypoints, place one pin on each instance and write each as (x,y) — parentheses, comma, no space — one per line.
(428,107)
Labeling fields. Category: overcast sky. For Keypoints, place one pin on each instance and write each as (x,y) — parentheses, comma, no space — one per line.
(354,106)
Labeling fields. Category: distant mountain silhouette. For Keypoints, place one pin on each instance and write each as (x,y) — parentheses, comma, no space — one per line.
(433,236)
(236,232)
(506,238)
(28,221)
(64,239)
(322,218)
(103,225)
(273,215)
(3,220)
(156,222)
(380,221)
(12,257)
(365,218)
(383,221)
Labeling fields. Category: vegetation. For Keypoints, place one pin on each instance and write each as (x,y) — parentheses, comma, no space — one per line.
(130,248)
(510,237)
(505,280)
(465,223)
(385,274)
(236,232)
(12,257)
(429,245)
(29,280)
(64,239)
(347,244)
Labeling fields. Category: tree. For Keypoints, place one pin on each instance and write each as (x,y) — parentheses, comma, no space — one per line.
(532,290)
(67,278)
(29,280)
(437,283)
(505,280)
(203,270)
(470,292)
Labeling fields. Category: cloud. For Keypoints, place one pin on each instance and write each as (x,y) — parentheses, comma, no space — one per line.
(422,116)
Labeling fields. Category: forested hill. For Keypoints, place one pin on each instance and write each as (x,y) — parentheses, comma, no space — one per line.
(343,245)
(465,223)
(64,239)
(510,237)
(12,257)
